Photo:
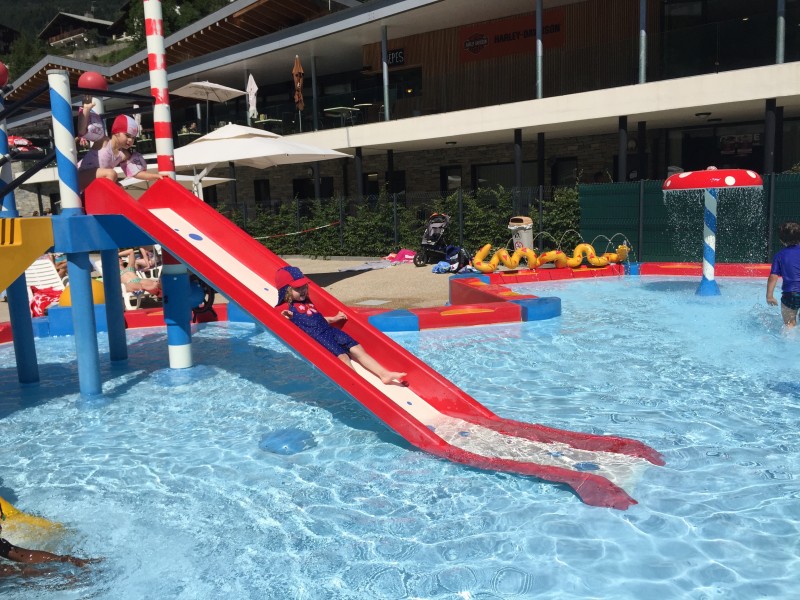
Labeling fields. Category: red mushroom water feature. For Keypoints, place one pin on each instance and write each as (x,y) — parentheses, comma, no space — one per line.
(711,181)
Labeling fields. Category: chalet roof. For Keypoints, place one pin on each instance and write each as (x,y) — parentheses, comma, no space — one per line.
(64,17)
(238,22)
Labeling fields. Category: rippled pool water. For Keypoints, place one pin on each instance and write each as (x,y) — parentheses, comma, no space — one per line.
(167,478)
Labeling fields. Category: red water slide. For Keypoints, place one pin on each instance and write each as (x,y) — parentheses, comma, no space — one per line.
(431,413)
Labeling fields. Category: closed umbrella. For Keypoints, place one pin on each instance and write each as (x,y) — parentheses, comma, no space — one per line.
(205,90)
(252,90)
(297,78)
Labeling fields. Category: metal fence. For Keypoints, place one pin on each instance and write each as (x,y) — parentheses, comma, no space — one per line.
(669,227)
(658,227)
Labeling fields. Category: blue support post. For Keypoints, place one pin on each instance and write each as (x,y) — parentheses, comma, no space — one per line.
(22,331)
(115,317)
(177,314)
(80,282)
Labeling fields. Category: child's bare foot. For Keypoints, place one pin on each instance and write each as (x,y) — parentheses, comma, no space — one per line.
(394,377)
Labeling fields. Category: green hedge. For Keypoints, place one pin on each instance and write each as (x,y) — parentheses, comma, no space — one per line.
(377,226)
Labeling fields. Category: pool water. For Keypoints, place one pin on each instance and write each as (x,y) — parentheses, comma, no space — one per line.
(252,476)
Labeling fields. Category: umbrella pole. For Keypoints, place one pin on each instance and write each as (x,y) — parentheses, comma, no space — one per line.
(207,131)
(300,120)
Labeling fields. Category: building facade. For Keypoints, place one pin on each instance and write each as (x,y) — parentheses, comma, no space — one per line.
(427,96)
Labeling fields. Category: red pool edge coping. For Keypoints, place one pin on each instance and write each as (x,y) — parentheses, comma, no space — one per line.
(696,269)
(475,298)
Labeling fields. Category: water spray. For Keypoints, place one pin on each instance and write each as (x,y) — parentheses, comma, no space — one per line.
(711,181)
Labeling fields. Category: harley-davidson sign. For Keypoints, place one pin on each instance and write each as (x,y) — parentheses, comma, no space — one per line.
(513,35)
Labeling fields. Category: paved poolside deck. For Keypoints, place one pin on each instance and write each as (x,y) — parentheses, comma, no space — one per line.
(393,287)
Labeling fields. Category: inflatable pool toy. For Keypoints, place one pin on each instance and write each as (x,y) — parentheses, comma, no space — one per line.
(584,253)
(16,521)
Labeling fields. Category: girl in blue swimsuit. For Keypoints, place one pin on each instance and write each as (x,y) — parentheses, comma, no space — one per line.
(301,311)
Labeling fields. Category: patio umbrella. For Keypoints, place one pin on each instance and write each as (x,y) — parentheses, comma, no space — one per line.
(297,78)
(137,187)
(205,90)
(252,90)
(248,147)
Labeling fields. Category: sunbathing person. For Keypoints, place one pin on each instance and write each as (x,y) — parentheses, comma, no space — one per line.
(146,258)
(131,279)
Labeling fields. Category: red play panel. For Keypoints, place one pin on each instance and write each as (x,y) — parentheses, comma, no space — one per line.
(465,315)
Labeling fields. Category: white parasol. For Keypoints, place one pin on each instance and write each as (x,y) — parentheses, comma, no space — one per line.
(248,147)
(205,90)
(137,187)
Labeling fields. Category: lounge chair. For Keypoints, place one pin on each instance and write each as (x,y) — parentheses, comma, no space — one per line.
(43,275)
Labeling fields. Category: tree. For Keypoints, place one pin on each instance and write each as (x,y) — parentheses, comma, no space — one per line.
(26,51)
(177,14)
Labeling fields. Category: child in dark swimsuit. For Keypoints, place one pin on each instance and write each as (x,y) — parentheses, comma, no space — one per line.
(786,265)
(297,307)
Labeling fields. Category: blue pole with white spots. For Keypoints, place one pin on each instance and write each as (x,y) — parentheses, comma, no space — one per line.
(79,264)
(708,285)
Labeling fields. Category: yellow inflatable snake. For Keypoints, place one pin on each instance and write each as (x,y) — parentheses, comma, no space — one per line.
(582,252)
(13,518)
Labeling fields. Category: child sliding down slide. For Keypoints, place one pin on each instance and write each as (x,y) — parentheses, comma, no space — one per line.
(297,306)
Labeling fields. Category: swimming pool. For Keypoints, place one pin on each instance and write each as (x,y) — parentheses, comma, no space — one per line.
(166,478)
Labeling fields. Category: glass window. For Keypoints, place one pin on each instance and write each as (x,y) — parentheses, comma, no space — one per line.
(261,193)
(397,184)
(565,171)
(450,179)
(210,196)
(407,82)
(504,174)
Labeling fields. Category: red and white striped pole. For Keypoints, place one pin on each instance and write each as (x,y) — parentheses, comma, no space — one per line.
(157,62)
(174,276)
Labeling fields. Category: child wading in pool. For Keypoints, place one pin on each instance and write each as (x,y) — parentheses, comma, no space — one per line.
(293,288)
(786,265)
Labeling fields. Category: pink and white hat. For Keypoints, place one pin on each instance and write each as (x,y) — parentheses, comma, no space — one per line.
(125,124)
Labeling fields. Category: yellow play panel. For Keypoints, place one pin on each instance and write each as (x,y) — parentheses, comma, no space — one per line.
(22,241)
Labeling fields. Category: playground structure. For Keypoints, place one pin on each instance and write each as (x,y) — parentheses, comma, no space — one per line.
(430,413)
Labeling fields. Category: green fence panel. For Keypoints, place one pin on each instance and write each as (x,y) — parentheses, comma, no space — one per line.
(787,205)
(609,215)
(672,225)
(662,239)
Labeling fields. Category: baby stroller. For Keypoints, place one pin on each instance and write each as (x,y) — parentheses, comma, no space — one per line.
(433,243)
